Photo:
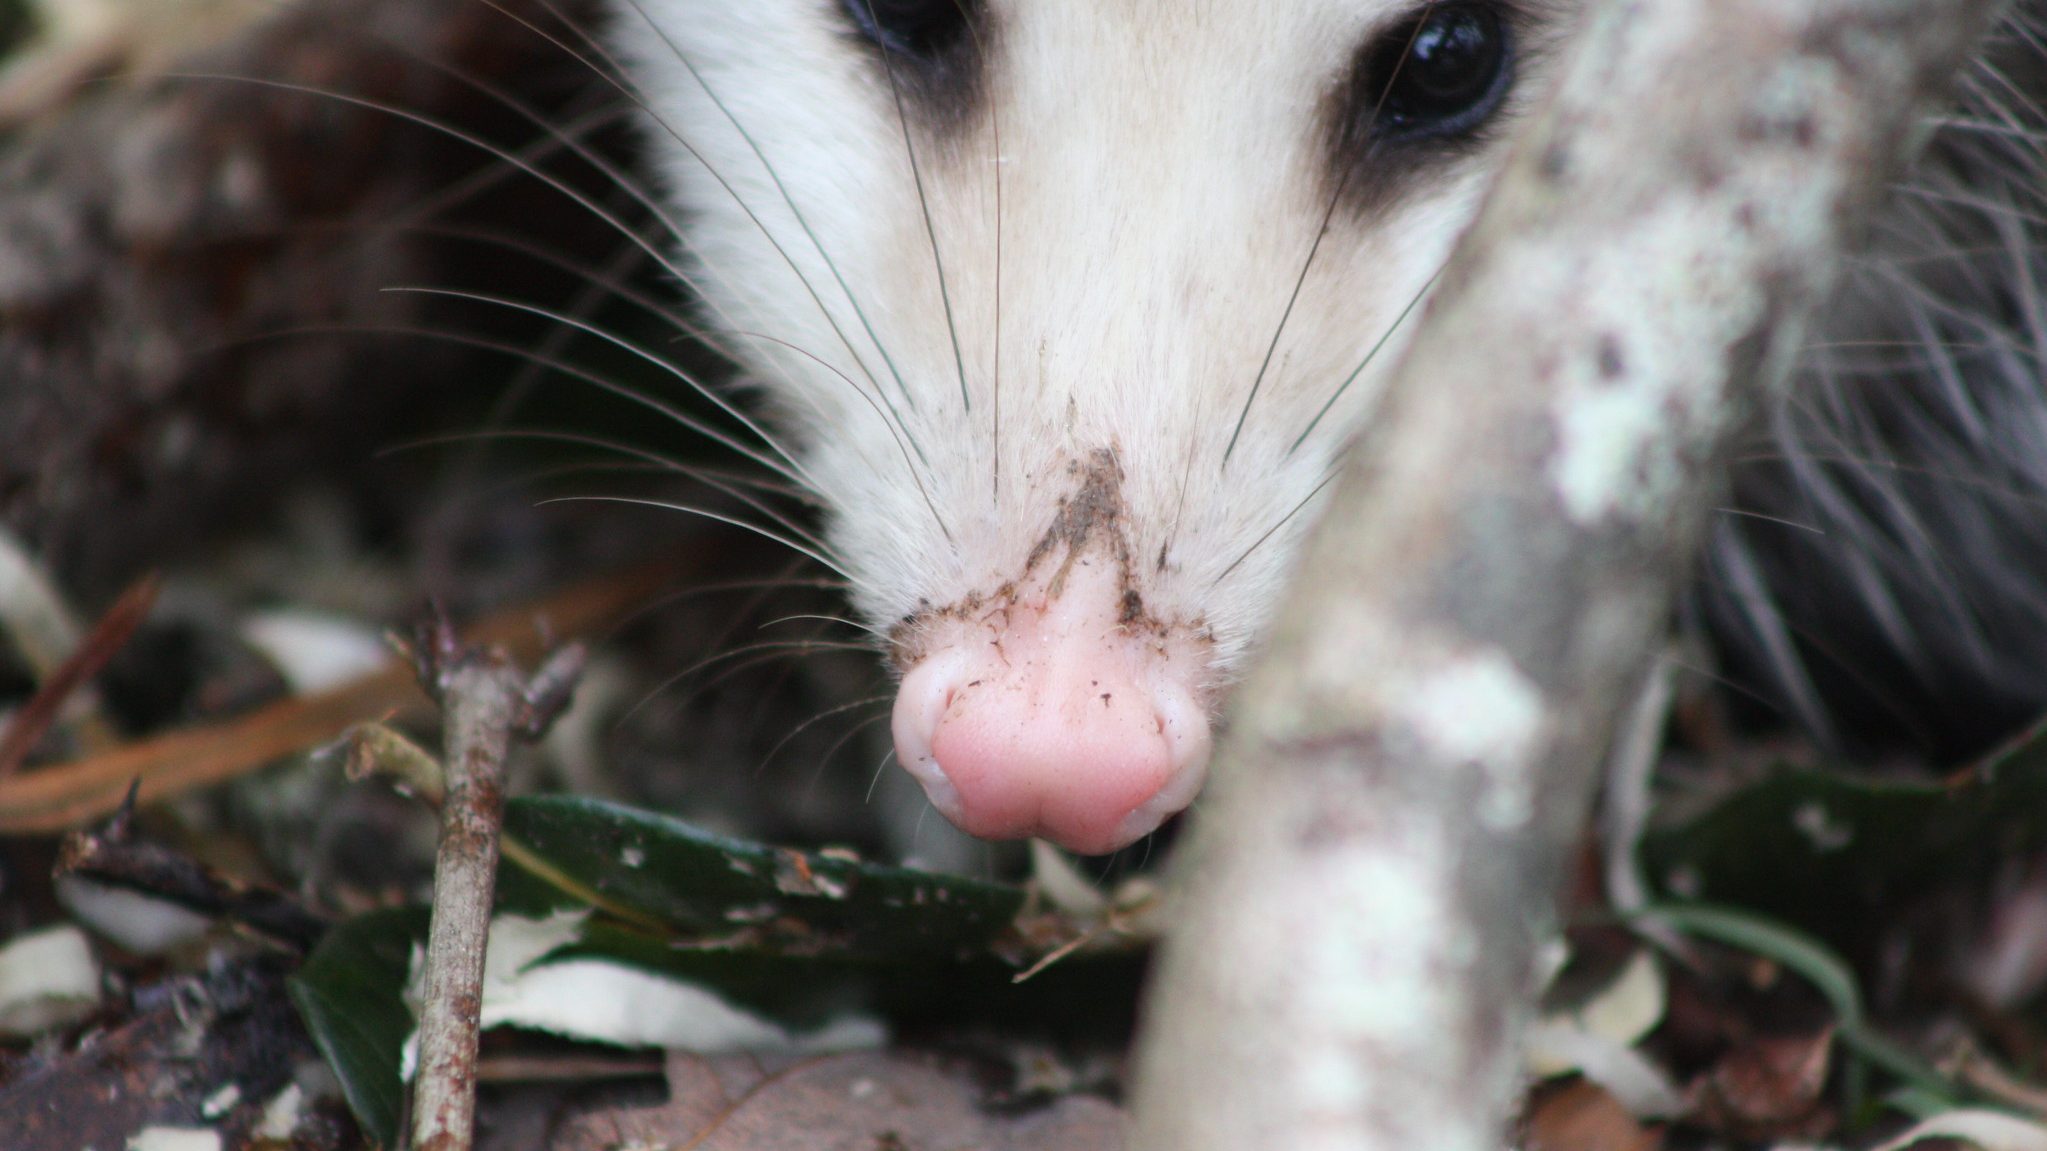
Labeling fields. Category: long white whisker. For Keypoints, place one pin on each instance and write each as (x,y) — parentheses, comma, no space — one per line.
(916,476)
(838,619)
(795,468)
(632,459)
(813,721)
(728,484)
(612,283)
(675,415)
(745,525)
(839,744)
(738,662)
(495,151)
(788,200)
(622,180)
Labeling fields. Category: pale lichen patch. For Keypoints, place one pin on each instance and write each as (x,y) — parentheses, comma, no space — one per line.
(1477,707)
(1602,436)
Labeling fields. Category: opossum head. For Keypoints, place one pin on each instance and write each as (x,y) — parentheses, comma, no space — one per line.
(1065,309)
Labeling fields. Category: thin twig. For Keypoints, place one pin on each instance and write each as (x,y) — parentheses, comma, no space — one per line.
(114,856)
(486,702)
(100,646)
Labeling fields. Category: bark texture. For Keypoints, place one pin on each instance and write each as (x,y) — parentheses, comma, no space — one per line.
(1411,762)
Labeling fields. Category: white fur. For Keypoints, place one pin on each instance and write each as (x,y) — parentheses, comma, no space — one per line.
(1160,188)
(1162,179)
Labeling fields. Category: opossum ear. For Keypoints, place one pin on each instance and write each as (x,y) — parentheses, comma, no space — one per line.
(920,29)
(1437,76)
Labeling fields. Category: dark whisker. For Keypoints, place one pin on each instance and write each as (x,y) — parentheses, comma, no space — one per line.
(612,76)
(924,205)
(1279,330)
(787,199)
(1321,233)
(1398,320)
(1281,522)
(995,131)
(1179,506)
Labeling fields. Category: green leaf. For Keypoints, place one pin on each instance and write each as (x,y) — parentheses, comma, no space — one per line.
(798,936)
(1788,946)
(664,875)
(1917,1104)
(1837,851)
(351,995)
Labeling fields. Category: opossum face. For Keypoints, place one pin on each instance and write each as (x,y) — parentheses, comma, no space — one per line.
(1065,308)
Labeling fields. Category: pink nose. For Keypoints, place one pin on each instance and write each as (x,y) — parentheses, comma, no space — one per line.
(1053,717)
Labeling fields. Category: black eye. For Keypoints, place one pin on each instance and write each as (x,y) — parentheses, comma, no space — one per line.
(921,29)
(1439,75)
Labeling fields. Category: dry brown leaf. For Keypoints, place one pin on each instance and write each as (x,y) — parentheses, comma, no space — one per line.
(1769,1087)
(1582,1116)
(58,797)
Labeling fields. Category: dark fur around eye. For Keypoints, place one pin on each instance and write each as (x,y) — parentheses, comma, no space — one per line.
(1437,76)
(920,30)
(934,53)
(1426,89)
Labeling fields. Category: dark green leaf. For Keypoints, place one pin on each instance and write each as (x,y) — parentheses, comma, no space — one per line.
(350,994)
(1839,852)
(669,876)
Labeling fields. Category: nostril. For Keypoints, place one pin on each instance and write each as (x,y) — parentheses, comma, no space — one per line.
(1066,726)
(1088,749)
(927,693)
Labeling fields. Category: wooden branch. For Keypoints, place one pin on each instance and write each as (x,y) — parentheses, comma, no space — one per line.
(1407,768)
(486,701)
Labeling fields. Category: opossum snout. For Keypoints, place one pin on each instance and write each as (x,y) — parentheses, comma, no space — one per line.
(1055,714)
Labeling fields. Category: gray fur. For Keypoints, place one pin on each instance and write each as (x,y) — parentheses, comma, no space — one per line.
(1882,575)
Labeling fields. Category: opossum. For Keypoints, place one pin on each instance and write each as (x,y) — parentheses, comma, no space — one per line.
(1064,310)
